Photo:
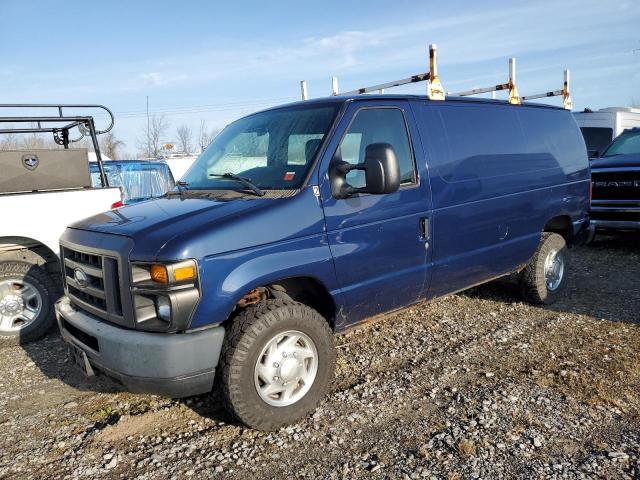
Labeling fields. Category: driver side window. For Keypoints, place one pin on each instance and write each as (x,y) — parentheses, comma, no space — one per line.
(377,125)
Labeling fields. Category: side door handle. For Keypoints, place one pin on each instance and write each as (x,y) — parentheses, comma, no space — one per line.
(425,231)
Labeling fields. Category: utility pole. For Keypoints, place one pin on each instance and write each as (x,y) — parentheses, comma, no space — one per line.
(148,129)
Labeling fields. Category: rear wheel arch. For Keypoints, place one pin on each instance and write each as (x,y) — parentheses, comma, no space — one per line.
(561,225)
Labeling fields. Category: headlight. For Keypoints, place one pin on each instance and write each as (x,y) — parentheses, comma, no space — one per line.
(165,295)
(163,308)
(166,274)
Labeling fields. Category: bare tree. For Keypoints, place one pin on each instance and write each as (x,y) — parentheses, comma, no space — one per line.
(185,136)
(9,141)
(33,141)
(110,145)
(635,103)
(151,140)
(205,136)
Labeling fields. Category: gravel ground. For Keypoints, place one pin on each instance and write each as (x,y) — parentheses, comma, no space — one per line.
(476,385)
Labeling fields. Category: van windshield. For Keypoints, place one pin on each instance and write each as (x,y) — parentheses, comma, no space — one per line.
(627,143)
(273,150)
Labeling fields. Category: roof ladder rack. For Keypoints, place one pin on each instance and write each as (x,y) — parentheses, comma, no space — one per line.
(565,92)
(436,92)
(434,87)
(514,99)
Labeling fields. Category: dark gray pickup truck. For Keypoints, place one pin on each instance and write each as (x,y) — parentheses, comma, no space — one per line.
(615,175)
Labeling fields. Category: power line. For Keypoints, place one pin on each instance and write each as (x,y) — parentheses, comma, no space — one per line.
(194,109)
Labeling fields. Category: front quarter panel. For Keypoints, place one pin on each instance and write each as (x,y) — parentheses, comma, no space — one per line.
(227,277)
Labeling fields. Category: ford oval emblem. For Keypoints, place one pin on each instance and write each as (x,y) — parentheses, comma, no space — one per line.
(80,277)
(30,161)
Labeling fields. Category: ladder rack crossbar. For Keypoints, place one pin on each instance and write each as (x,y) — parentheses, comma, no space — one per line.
(420,77)
(477,91)
(554,93)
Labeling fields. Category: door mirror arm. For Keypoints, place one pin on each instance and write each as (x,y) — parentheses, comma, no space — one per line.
(338,171)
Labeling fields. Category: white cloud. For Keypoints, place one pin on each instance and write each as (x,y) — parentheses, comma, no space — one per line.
(151,78)
(158,79)
(345,44)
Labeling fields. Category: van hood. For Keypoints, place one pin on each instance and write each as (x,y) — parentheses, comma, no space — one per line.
(140,218)
(617,161)
(174,228)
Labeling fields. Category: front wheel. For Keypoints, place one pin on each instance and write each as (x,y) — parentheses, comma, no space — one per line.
(544,277)
(27,294)
(277,363)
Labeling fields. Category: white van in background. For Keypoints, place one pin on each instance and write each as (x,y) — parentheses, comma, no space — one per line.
(600,127)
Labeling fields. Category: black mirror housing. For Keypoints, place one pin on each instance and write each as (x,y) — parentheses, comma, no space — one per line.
(382,171)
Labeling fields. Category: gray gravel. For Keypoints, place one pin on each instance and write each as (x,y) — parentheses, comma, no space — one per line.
(476,385)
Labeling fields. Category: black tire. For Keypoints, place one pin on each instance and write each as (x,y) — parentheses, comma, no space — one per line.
(49,293)
(591,235)
(244,341)
(532,279)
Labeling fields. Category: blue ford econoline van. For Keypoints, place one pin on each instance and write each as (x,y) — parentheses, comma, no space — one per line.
(299,221)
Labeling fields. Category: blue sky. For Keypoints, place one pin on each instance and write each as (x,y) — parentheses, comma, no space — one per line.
(220,60)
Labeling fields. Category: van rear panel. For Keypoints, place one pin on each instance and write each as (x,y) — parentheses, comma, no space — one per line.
(498,174)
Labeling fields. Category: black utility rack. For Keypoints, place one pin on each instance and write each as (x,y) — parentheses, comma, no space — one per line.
(59,124)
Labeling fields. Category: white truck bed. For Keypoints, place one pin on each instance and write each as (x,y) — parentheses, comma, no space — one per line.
(43,216)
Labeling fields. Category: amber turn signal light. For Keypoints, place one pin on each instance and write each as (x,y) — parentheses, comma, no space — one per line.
(159,273)
(184,273)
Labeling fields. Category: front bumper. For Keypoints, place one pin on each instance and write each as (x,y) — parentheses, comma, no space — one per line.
(169,364)
(615,224)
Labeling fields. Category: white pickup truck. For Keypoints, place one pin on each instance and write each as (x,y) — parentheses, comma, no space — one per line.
(41,192)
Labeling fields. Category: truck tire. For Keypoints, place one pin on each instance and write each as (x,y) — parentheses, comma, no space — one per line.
(544,277)
(27,294)
(277,362)
(591,235)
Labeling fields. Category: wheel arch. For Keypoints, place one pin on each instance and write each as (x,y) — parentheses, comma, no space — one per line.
(305,289)
(562,225)
(30,250)
(311,292)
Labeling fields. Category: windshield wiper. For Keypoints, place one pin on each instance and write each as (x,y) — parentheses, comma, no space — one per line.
(182,187)
(245,181)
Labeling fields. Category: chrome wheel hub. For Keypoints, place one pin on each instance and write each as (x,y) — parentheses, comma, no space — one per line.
(20,304)
(286,368)
(553,270)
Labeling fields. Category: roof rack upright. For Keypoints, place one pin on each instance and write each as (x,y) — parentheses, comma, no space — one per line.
(434,87)
(436,92)
(564,91)
(510,85)
(59,125)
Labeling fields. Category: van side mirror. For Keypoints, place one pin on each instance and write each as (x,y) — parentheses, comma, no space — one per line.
(382,172)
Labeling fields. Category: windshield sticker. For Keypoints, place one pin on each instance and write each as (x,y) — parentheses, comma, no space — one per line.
(289,176)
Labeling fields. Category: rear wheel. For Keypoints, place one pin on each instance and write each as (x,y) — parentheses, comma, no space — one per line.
(27,294)
(544,277)
(591,235)
(277,363)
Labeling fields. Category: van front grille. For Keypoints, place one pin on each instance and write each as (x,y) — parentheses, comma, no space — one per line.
(93,283)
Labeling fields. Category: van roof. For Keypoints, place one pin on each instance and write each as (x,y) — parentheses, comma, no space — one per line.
(387,96)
